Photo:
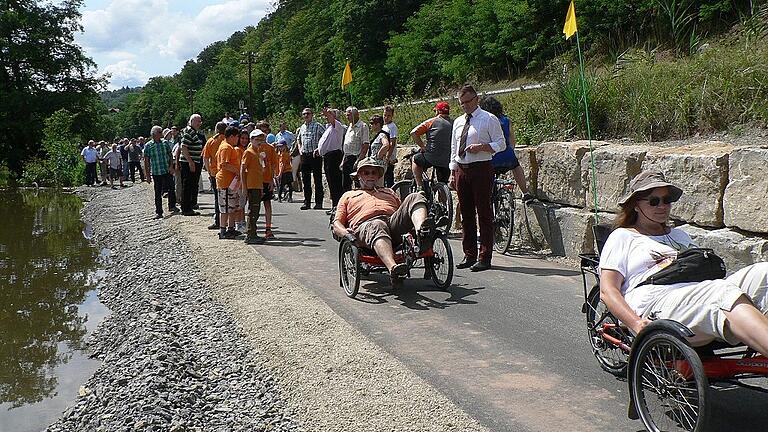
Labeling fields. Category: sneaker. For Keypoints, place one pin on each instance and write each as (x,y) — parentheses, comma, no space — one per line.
(191,213)
(399,271)
(158,216)
(425,235)
(175,210)
(268,235)
(528,198)
(235,232)
(305,207)
(254,240)
(227,235)
(213,226)
(318,207)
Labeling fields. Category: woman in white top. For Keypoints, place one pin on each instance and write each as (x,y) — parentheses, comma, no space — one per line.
(643,242)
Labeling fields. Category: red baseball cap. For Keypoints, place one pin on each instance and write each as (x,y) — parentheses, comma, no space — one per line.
(442,106)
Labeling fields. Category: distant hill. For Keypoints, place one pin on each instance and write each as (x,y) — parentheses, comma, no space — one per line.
(116,98)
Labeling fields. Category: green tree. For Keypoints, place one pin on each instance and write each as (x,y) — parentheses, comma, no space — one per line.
(41,71)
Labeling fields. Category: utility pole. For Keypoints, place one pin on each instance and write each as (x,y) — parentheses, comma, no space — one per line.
(250,58)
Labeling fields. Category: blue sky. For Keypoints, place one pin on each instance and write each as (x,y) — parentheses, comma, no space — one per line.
(134,40)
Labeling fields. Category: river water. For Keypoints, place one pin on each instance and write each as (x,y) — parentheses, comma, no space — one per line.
(48,306)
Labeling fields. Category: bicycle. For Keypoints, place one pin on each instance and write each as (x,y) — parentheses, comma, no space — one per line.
(503,202)
(442,200)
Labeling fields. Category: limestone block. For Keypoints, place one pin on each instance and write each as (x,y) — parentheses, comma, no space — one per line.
(701,171)
(572,232)
(745,204)
(736,249)
(534,225)
(615,165)
(527,158)
(559,174)
(403,166)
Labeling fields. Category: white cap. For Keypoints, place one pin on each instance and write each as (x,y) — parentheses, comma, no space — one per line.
(256,132)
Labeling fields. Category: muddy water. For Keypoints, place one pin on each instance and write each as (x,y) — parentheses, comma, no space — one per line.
(48,306)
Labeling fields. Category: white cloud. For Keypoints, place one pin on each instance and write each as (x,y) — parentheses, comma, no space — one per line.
(125,73)
(138,39)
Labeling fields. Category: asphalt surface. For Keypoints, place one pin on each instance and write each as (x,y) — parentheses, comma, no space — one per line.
(508,345)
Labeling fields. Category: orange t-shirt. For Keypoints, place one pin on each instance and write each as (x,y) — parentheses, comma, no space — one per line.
(270,161)
(254,178)
(357,206)
(226,153)
(209,151)
(284,165)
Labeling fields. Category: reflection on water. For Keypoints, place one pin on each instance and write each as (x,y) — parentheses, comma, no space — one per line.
(47,272)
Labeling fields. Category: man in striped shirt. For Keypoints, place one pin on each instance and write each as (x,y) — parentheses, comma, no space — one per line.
(191,163)
(311,161)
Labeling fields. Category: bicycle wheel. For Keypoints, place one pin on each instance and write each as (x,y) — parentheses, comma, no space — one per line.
(503,219)
(610,357)
(403,188)
(668,385)
(349,268)
(440,263)
(443,205)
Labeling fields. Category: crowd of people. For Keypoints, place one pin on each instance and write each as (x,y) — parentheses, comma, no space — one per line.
(248,165)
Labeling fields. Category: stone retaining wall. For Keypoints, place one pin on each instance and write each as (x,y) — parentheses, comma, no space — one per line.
(725,205)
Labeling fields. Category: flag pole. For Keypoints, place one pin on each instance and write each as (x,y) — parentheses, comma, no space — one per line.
(589,128)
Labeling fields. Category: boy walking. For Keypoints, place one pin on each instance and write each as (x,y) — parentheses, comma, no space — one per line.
(252,177)
(268,159)
(227,179)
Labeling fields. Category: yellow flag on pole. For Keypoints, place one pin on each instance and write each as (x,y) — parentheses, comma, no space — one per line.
(346,76)
(570,22)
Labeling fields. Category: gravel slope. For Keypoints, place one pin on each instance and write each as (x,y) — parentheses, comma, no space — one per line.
(282,359)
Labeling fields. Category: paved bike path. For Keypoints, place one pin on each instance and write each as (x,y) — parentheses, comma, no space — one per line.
(507,345)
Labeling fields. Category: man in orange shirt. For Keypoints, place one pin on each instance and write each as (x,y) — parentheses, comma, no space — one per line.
(252,179)
(227,179)
(375,216)
(268,157)
(209,161)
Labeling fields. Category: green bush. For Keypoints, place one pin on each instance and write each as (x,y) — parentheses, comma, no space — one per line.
(62,164)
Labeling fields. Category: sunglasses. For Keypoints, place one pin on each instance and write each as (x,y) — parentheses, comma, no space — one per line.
(655,201)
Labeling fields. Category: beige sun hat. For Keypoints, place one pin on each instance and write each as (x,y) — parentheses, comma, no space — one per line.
(647,180)
(370,161)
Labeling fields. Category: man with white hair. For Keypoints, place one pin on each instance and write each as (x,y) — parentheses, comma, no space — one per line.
(157,164)
(191,163)
(90,157)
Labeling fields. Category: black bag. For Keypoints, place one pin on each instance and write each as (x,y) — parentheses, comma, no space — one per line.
(691,265)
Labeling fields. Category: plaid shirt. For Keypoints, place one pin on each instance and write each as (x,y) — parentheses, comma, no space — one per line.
(310,134)
(159,154)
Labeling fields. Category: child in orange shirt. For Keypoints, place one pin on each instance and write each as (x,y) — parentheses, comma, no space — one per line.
(252,176)
(285,171)
(242,144)
(268,157)
(229,172)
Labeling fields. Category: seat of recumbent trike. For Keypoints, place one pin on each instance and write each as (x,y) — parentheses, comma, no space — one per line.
(370,257)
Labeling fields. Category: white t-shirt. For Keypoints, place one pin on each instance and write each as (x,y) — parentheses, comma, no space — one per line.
(391,128)
(637,256)
(114,159)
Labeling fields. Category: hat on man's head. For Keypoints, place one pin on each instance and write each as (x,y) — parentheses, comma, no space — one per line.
(442,107)
(371,161)
(256,132)
(647,180)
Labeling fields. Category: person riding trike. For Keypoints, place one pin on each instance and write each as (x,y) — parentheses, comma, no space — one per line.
(378,232)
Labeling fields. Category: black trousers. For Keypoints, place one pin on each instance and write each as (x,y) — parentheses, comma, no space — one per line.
(332,162)
(215,200)
(312,169)
(164,182)
(90,173)
(189,183)
(133,165)
(389,175)
(346,172)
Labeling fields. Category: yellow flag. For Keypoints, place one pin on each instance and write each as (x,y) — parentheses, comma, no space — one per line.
(570,22)
(346,76)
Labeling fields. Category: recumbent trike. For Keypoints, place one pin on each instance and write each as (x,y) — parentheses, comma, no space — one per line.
(668,378)
(356,260)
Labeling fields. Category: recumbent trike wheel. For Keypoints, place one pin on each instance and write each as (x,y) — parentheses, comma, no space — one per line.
(440,264)
(611,358)
(349,268)
(668,385)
